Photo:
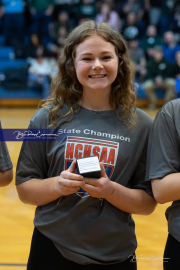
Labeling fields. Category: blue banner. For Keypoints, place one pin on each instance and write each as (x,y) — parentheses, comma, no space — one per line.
(31,134)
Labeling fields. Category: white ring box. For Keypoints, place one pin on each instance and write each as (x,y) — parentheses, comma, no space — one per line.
(89,167)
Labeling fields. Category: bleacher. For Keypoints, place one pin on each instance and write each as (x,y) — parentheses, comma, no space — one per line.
(142,99)
(12,97)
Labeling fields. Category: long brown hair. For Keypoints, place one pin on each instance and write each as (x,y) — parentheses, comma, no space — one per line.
(65,87)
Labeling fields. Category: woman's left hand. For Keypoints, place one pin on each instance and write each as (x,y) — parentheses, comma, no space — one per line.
(135,201)
(99,188)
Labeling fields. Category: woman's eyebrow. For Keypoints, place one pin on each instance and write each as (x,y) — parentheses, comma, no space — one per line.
(103,52)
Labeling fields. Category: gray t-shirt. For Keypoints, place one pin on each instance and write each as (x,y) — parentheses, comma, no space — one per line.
(82,228)
(5,161)
(164,155)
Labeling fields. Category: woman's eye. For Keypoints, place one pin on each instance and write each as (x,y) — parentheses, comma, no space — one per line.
(107,57)
(86,59)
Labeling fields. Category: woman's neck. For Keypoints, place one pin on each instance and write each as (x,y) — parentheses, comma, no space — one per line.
(95,103)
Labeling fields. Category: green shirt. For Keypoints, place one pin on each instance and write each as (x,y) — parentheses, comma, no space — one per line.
(161,68)
(41,6)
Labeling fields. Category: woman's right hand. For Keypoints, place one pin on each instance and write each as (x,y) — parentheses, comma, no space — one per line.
(68,182)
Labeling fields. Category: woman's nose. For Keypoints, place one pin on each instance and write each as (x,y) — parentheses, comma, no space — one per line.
(97,64)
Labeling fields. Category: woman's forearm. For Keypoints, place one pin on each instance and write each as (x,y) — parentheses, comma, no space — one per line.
(6,177)
(166,189)
(38,192)
(43,191)
(135,201)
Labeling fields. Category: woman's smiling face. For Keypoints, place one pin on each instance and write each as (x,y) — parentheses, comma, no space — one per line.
(96,64)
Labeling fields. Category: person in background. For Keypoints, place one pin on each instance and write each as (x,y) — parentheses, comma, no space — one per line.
(40,73)
(175,70)
(131,28)
(54,48)
(109,16)
(175,73)
(62,21)
(41,13)
(86,223)
(35,47)
(59,34)
(150,41)
(87,9)
(61,5)
(168,9)
(138,57)
(14,20)
(113,4)
(62,35)
(158,76)
(6,171)
(170,46)
(153,8)
(175,25)
(136,6)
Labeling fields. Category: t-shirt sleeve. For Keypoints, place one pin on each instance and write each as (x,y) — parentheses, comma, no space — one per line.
(164,148)
(32,162)
(5,161)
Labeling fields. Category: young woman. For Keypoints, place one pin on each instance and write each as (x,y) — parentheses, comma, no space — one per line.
(164,171)
(86,223)
(6,171)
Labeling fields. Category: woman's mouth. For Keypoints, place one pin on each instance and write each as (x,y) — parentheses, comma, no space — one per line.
(97,76)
